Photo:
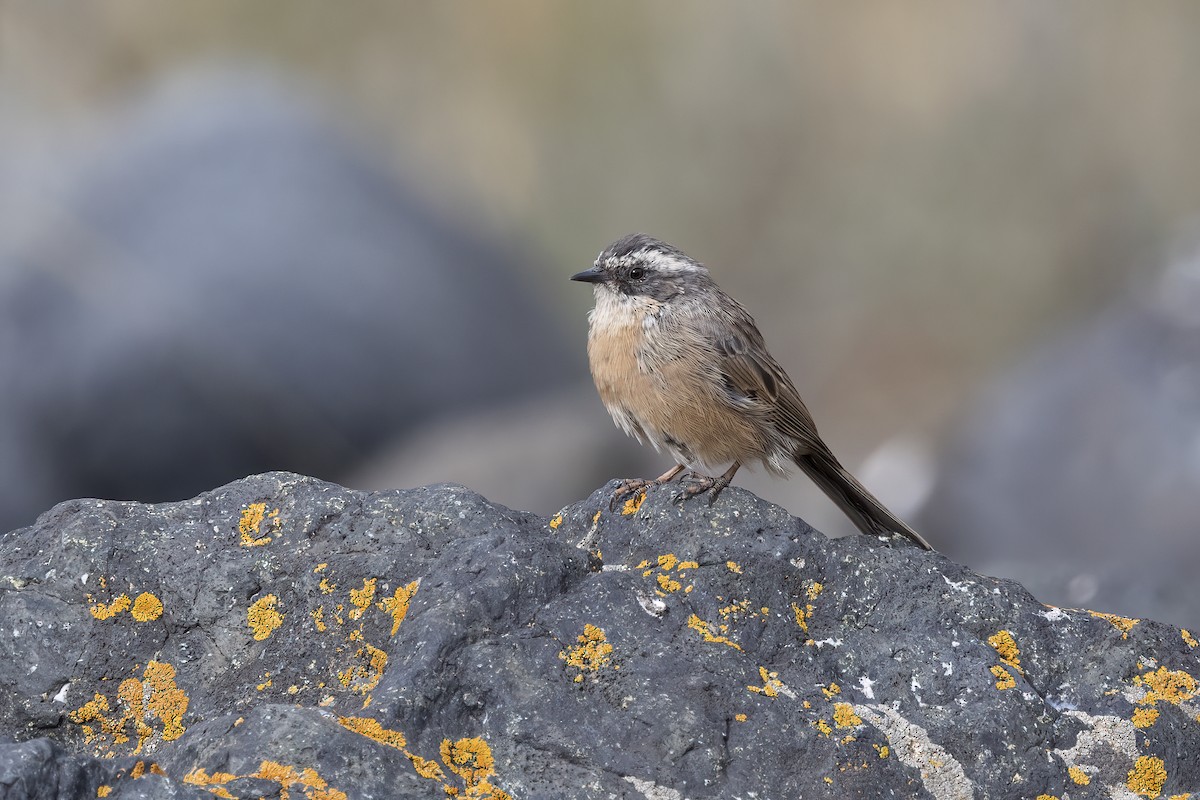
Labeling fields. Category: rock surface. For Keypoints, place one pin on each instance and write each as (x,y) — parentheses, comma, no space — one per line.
(284,637)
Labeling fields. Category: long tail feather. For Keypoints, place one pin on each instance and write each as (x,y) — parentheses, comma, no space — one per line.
(867,513)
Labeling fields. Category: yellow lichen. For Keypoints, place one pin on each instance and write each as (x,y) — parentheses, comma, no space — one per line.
(364,677)
(823,726)
(1144,717)
(1047,797)
(366,726)
(1123,624)
(315,787)
(802,615)
(119,603)
(326,586)
(318,618)
(667,562)
(147,607)
(883,751)
(1170,686)
(200,777)
(844,716)
(556,521)
(634,503)
(397,604)
(251,522)
(667,583)
(153,699)
(688,565)
(1188,639)
(592,652)
(1006,647)
(362,598)
(771,683)
(427,767)
(831,690)
(262,617)
(740,717)
(1147,776)
(733,567)
(705,630)
(1079,776)
(103,790)
(1004,679)
(814,589)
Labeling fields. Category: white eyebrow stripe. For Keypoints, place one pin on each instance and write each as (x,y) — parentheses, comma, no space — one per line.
(657,260)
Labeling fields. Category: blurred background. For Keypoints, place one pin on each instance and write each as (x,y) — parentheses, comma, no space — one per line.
(335,239)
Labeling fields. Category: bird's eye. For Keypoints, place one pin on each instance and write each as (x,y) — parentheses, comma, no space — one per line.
(636,274)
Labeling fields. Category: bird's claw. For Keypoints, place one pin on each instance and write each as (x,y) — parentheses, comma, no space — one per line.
(695,484)
(628,486)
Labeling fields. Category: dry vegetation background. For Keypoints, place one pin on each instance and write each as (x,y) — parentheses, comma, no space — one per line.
(909,196)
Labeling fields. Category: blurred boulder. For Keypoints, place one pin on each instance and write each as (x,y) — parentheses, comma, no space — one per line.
(1079,473)
(222,283)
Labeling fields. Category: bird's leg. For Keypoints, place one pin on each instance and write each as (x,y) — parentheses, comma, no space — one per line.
(632,485)
(703,483)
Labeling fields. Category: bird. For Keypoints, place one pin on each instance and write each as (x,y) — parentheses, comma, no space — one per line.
(681,365)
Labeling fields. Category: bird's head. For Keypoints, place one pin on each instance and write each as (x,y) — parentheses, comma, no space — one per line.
(638,265)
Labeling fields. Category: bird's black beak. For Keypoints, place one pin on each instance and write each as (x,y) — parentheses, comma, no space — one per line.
(592,275)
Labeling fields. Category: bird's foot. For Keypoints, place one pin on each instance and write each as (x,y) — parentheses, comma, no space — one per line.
(628,487)
(634,485)
(696,484)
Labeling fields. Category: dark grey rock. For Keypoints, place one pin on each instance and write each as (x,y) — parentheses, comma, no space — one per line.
(225,282)
(411,642)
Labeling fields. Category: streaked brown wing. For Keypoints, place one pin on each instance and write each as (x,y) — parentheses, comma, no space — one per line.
(755,382)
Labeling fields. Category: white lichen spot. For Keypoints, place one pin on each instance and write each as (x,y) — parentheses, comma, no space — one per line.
(942,775)
(652,791)
(867,686)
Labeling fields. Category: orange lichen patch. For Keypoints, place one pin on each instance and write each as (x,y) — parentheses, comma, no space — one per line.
(364,677)
(831,690)
(471,760)
(147,607)
(366,726)
(883,750)
(802,616)
(397,604)
(266,684)
(667,583)
(200,777)
(1188,639)
(688,565)
(814,589)
(153,699)
(667,561)
(1079,776)
(740,717)
(1004,679)
(844,716)
(1006,647)
(1047,797)
(1123,624)
(318,618)
(771,683)
(251,522)
(1147,776)
(1169,686)
(823,726)
(705,630)
(556,521)
(104,611)
(262,617)
(1144,717)
(592,651)
(733,567)
(427,767)
(103,790)
(596,517)
(362,598)
(634,503)
(309,781)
